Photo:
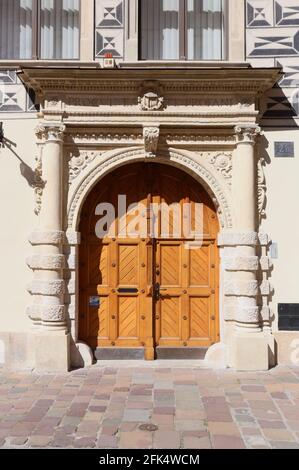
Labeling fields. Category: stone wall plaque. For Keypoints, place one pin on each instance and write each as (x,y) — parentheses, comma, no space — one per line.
(284,150)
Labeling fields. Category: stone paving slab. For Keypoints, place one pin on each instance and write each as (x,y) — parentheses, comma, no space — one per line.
(191,407)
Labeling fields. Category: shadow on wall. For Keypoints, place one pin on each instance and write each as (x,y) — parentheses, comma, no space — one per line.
(279,110)
(33,177)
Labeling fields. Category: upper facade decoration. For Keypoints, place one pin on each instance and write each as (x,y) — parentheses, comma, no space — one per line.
(150,98)
(109,28)
(15,98)
(272,39)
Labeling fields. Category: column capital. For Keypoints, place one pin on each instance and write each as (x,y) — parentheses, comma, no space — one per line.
(50,133)
(247,133)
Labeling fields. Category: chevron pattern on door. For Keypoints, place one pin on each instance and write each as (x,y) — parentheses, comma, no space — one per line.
(120,306)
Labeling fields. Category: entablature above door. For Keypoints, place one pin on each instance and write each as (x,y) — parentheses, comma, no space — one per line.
(171,96)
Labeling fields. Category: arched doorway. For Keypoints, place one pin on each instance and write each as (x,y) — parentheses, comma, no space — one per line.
(153,294)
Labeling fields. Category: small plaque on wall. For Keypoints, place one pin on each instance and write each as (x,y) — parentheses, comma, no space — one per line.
(284,150)
(94,301)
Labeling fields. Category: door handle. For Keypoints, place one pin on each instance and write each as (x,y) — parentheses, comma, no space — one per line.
(157,291)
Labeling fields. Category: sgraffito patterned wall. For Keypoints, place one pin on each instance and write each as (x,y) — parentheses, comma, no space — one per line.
(272,39)
(14,97)
(109,28)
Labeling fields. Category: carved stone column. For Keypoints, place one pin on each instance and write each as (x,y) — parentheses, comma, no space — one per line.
(48,262)
(248,349)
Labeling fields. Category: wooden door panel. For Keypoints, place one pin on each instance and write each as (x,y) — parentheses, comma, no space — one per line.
(103,318)
(170,264)
(170,329)
(199,308)
(199,266)
(128,262)
(128,317)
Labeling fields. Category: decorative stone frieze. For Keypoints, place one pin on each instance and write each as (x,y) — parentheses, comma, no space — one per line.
(53,237)
(151,139)
(238,239)
(46,262)
(48,288)
(241,288)
(241,263)
(111,136)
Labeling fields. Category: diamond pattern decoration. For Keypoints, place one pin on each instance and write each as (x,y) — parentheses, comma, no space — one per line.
(279,105)
(272,42)
(273,35)
(14,97)
(286,13)
(109,44)
(109,33)
(291,73)
(259,13)
(110,14)
(8,77)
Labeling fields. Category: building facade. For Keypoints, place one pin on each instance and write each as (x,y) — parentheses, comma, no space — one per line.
(185,103)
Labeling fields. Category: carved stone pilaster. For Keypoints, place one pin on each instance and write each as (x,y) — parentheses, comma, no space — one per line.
(151,138)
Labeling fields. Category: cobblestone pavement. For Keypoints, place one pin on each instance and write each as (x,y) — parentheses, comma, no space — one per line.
(103,406)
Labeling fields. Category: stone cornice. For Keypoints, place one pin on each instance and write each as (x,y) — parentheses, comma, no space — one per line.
(48,80)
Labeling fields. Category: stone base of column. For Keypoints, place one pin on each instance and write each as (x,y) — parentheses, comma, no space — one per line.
(249,352)
(52,351)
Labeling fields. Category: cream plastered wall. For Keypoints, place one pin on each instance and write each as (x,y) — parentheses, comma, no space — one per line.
(282,220)
(17,218)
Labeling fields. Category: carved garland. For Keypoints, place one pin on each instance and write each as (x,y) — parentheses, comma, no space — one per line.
(219,198)
(77,163)
(223,164)
(261,189)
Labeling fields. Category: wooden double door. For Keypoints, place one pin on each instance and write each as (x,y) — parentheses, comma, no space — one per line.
(149,292)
